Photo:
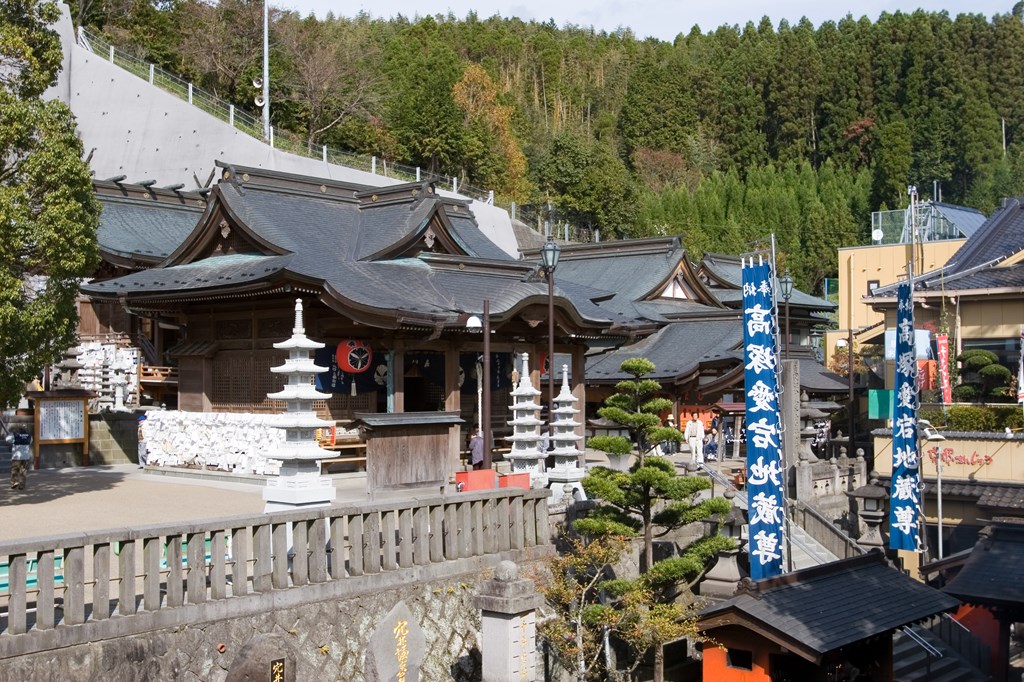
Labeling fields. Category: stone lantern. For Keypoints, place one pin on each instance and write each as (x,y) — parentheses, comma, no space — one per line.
(721,580)
(300,484)
(870,501)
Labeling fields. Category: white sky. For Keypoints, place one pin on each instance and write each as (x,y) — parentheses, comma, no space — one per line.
(662,19)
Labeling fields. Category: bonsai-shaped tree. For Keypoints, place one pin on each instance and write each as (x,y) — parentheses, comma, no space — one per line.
(650,500)
(635,407)
(984,374)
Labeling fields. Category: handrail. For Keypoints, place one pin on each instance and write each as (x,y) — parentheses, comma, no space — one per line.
(921,642)
(251,125)
(203,562)
(830,527)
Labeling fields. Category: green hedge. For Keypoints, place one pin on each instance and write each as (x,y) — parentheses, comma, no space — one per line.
(974,417)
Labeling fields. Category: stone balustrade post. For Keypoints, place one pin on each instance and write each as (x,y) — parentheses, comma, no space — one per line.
(508,629)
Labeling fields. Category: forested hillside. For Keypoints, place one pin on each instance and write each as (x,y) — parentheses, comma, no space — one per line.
(722,137)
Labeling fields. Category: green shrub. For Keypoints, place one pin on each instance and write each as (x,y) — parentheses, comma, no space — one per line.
(975,359)
(964,393)
(970,418)
(933,415)
(1008,416)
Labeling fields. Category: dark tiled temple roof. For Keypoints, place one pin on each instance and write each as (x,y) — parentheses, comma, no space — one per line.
(725,276)
(996,499)
(994,573)
(814,378)
(820,609)
(1001,236)
(144,230)
(363,247)
(207,274)
(676,350)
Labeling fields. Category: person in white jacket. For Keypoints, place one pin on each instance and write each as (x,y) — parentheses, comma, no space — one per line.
(694,435)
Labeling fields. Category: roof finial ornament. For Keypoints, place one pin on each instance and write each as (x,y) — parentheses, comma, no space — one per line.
(298,329)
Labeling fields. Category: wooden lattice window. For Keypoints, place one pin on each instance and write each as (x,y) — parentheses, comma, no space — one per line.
(242,380)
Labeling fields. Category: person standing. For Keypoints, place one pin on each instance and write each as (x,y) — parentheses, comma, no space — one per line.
(694,435)
(143,448)
(476,450)
(21,442)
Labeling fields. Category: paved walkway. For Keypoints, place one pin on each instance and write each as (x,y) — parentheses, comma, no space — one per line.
(58,501)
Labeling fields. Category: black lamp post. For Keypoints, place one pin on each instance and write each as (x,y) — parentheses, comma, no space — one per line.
(549,260)
(786,289)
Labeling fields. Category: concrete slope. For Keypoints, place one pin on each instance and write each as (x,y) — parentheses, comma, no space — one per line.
(136,129)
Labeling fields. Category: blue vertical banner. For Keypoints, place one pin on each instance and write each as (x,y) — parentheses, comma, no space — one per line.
(764,468)
(905,502)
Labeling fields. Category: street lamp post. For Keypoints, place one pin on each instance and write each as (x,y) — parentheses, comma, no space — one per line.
(848,341)
(786,289)
(933,436)
(549,260)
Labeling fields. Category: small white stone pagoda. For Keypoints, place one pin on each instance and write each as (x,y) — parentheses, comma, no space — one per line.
(299,484)
(564,478)
(526,455)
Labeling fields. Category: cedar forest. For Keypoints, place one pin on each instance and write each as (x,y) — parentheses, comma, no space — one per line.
(720,137)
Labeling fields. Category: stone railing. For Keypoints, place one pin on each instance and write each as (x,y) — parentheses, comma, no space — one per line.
(824,531)
(70,589)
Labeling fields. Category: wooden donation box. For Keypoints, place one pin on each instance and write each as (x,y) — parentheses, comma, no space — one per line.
(406,450)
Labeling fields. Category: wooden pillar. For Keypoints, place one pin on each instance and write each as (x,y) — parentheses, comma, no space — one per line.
(397,372)
(579,391)
(453,403)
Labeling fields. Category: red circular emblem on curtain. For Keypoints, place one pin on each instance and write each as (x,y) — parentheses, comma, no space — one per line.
(354,356)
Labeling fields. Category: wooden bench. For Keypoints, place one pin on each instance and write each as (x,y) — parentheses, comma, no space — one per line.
(347,453)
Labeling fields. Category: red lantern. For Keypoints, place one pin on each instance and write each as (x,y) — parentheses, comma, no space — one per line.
(354,356)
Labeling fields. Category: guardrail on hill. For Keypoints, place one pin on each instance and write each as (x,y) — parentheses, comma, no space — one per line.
(191,572)
(287,141)
(253,126)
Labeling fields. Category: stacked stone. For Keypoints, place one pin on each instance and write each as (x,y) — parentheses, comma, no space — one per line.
(299,484)
(526,455)
(564,478)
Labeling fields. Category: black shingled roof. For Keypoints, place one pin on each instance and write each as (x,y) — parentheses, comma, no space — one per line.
(1001,236)
(144,229)
(994,573)
(676,350)
(820,609)
(349,240)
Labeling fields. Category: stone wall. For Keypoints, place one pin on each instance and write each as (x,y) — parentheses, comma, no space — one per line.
(326,640)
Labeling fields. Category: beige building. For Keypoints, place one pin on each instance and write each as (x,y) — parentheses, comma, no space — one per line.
(941,230)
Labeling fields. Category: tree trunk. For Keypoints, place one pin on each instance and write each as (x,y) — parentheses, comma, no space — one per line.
(648,539)
(659,663)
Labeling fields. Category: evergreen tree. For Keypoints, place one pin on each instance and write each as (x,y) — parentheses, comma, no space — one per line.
(48,215)
(650,499)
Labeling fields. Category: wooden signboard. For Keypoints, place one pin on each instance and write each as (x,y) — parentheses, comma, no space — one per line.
(61,419)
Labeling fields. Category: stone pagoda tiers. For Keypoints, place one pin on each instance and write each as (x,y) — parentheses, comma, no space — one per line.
(299,484)
(564,479)
(526,455)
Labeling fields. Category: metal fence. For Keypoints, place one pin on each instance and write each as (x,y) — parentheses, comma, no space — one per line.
(284,140)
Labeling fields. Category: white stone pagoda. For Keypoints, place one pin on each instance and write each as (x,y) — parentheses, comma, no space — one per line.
(526,455)
(565,477)
(299,484)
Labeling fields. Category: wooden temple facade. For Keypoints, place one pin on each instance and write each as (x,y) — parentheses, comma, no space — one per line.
(389,278)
